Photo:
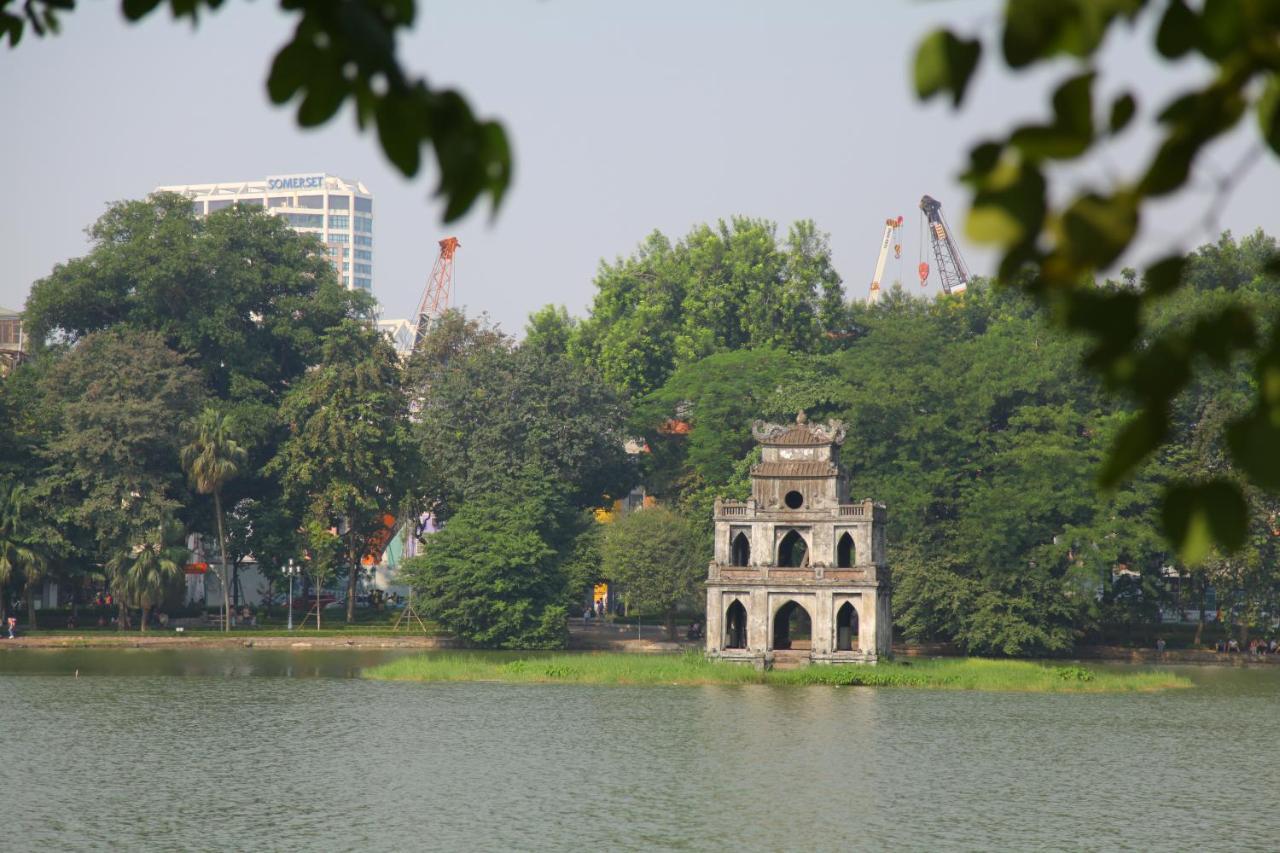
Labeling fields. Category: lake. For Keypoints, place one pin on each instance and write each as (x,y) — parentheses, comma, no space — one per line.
(291,750)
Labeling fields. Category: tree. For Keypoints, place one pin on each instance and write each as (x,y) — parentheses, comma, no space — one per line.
(239,291)
(345,460)
(21,550)
(212,458)
(141,571)
(731,286)
(1064,247)
(495,408)
(349,55)
(657,558)
(115,401)
(492,577)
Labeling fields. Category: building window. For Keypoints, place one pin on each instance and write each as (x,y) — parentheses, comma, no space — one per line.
(250,202)
(363,255)
(364,283)
(339,202)
(305,220)
(311,202)
(197,207)
(364,269)
(338,238)
(364,223)
(278,201)
(219,204)
(339,221)
(364,205)
(362,240)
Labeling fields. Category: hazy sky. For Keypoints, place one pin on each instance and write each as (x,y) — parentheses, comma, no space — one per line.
(625,118)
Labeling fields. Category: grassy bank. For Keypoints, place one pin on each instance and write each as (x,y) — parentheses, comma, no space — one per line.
(693,669)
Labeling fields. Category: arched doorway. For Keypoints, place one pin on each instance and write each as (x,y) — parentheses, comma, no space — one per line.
(846,627)
(740,550)
(735,626)
(792,628)
(846,553)
(793,553)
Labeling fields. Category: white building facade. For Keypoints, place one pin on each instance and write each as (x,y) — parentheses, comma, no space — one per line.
(338,211)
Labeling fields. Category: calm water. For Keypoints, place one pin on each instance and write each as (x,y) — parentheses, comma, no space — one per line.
(276,750)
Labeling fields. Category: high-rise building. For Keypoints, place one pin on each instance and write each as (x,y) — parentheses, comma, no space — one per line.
(338,211)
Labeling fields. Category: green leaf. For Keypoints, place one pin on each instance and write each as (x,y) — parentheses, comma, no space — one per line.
(1071,133)
(1009,205)
(1097,229)
(1165,275)
(135,9)
(401,124)
(290,70)
(1222,28)
(1179,30)
(944,63)
(1253,441)
(1122,111)
(1135,440)
(1269,113)
(325,88)
(1196,515)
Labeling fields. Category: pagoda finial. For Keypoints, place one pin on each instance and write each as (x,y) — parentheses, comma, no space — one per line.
(802,418)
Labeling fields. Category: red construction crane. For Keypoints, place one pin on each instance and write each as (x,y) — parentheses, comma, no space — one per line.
(439,289)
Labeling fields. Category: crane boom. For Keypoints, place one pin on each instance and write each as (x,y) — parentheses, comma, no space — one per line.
(890,225)
(439,289)
(952,272)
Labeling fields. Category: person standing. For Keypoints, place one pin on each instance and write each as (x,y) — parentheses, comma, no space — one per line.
(12,624)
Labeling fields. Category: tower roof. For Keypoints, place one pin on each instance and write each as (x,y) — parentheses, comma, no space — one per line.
(800,434)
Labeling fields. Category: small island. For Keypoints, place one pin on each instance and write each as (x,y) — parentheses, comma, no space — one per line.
(694,669)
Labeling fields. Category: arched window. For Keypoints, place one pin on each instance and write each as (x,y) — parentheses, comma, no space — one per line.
(735,626)
(793,553)
(792,628)
(846,554)
(740,550)
(846,627)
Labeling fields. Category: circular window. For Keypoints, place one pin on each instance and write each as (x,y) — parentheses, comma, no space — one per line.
(794,500)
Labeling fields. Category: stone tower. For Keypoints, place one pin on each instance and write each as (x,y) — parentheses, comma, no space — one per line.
(799,572)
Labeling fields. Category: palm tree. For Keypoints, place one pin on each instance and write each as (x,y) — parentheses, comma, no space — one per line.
(212,459)
(140,573)
(18,552)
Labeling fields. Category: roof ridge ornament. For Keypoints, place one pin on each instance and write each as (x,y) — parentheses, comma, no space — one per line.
(832,432)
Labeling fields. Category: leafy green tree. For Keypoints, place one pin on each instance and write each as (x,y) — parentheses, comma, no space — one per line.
(493,408)
(346,459)
(734,286)
(657,557)
(348,55)
(116,402)
(212,458)
(240,292)
(22,550)
(493,575)
(142,571)
(1065,245)
(550,330)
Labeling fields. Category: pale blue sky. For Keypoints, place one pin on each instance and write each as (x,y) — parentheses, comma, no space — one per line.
(625,117)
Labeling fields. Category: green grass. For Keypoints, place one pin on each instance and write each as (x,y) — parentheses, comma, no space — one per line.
(693,669)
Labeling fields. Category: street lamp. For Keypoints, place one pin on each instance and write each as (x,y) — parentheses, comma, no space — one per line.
(291,570)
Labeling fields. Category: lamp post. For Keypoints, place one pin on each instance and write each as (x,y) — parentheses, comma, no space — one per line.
(291,570)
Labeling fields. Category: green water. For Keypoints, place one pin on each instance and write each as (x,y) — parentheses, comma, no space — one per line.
(286,750)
